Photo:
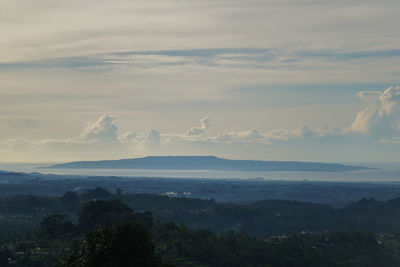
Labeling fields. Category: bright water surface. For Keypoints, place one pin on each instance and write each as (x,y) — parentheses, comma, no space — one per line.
(384,173)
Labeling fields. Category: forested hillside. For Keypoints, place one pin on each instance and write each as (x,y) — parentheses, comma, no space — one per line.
(42,231)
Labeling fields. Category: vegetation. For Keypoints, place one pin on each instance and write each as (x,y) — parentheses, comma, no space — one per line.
(123,244)
(99,228)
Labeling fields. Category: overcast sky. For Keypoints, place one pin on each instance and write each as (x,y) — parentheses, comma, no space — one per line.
(304,80)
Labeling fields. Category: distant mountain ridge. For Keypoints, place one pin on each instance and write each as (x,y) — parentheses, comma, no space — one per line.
(206,163)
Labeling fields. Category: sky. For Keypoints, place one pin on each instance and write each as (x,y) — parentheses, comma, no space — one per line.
(305,80)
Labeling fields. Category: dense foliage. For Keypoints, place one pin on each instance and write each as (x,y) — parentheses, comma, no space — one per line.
(123,244)
(239,249)
(99,228)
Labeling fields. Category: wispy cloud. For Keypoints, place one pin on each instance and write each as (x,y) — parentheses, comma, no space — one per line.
(59,29)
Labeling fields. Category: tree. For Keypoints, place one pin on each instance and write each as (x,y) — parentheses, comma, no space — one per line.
(119,191)
(107,213)
(56,226)
(4,255)
(124,244)
(97,193)
(70,201)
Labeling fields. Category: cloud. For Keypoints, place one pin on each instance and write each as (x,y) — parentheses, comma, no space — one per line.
(128,136)
(381,114)
(240,137)
(100,38)
(104,132)
(364,120)
(153,137)
(276,136)
(202,129)
(389,99)
(376,124)
(183,58)
(100,140)
(75,28)
(369,94)
(390,141)
(103,129)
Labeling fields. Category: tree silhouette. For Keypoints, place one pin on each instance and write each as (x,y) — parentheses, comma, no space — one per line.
(124,244)
(56,226)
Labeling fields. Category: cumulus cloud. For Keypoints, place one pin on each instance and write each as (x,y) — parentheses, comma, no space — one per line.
(103,129)
(381,111)
(100,140)
(153,137)
(377,123)
(302,133)
(128,136)
(389,99)
(368,94)
(239,137)
(274,136)
(202,129)
(364,120)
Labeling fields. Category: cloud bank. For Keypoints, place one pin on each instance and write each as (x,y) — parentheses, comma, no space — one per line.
(377,124)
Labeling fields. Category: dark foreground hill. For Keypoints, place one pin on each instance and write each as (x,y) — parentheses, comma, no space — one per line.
(206,163)
(99,228)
